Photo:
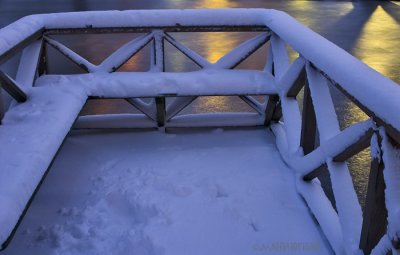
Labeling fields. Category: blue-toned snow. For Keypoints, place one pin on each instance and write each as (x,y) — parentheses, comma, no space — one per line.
(205,192)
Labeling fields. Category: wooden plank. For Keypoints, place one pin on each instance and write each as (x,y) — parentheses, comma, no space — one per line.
(270,109)
(12,88)
(157,53)
(42,65)
(362,143)
(315,173)
(17,48)
(161,112)
(309,124)
(375,213)
(298,84)
(145,29)
(188,95)
(278,111)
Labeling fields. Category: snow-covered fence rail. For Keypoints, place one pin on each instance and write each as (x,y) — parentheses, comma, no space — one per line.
(319,63)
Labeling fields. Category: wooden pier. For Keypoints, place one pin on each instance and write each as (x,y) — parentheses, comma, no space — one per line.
(46,107)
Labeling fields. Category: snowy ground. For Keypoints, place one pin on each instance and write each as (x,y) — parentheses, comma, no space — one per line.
(209,192)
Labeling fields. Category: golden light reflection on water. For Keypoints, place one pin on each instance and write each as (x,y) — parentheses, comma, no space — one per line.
(215,4)
(395,2)
(359,165)
(379,36)
(216,45)
(374,46)
(306,6)
(214,104)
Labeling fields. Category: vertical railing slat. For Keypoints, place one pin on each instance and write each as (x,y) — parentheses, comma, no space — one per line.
(10,86)
(158,65)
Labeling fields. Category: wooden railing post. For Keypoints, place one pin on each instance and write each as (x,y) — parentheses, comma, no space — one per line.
(375,213)
(272,110)
(158,65)
(161,112)
(42,65)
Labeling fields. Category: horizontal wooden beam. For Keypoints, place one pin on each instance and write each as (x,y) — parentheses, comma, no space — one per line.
(17,48)
(12,88)
(177,28)
(187,95)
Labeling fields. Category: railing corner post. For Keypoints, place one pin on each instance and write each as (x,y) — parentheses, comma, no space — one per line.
(272,110)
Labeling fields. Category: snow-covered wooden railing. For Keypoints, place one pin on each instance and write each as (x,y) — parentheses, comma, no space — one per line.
(319,63)
(347,230)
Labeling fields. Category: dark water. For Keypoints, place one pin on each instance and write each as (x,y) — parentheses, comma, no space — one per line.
(369,30)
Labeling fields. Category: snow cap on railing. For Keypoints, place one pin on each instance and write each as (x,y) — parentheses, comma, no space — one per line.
(360,81)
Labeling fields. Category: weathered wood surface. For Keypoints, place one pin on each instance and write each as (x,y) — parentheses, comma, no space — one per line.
(375,213)
(12,88)
(299,83)
(391,131)
(17,48)
(309,123)
(161,112)
(362,143)
(177,28)
(271,108)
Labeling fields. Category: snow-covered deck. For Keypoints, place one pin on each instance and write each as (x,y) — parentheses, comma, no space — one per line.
(152,189)
(213,191)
